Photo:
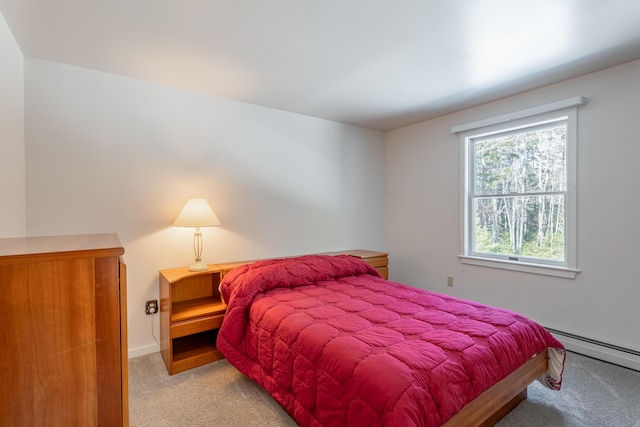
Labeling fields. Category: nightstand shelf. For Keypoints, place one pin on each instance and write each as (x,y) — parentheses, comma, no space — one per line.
(195,350)
(191,313)
(185,310)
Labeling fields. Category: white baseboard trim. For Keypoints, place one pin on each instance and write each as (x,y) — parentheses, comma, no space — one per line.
(599,350)
(141,351)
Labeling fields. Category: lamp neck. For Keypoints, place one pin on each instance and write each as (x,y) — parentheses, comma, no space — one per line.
(197,244)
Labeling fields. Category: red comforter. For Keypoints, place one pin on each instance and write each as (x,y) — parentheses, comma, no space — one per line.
(335,344)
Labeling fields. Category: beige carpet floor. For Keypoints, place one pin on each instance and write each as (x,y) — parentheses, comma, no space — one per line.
(594,394)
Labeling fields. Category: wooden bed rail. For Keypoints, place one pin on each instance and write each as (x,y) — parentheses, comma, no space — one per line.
(496,402)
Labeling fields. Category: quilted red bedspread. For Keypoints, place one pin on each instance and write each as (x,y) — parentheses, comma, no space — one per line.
(335,344)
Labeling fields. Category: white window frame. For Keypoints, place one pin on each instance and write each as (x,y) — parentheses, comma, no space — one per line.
(510,122)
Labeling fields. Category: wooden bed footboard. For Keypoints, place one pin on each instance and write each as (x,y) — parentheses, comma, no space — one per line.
(496,402)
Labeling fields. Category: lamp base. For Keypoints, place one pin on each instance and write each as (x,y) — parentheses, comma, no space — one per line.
(198,266)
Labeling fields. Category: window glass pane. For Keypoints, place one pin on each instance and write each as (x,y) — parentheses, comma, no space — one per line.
(521,226)
(531,160)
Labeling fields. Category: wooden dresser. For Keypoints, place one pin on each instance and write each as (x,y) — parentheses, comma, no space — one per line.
(63,343)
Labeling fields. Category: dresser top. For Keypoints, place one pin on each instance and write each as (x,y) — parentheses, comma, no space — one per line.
(106,244)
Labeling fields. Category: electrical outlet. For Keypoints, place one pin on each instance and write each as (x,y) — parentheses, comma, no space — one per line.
(450,281)
(151,306)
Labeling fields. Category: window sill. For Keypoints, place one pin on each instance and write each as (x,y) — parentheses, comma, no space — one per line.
(547,270)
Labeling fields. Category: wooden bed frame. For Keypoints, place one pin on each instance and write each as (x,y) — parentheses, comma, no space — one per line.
(493,404)
(496,402)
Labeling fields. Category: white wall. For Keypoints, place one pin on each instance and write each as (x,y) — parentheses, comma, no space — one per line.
(12,161)
(422,209)
(111,154)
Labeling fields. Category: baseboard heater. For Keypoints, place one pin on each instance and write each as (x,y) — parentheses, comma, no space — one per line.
(599,350)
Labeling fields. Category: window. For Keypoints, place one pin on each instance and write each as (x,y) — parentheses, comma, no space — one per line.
(519,190)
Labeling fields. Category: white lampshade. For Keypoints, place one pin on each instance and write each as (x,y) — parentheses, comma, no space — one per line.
(197,213)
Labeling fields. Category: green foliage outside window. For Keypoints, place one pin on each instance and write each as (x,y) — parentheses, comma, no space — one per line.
(519,184)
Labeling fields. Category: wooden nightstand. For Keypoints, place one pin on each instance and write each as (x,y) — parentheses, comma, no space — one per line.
(191,313)
(377,260)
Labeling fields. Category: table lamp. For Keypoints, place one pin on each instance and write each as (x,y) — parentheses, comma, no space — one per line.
(197,213)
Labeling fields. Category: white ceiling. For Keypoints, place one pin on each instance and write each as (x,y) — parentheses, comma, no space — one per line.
(381,64)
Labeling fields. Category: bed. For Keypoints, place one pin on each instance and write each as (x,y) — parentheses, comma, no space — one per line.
(336,344)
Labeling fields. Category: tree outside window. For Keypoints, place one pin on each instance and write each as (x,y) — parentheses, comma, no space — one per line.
(518,195)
